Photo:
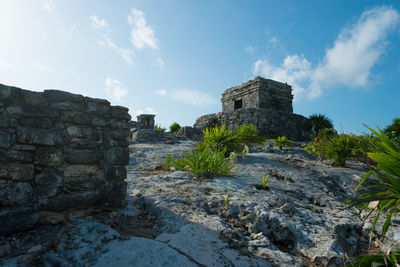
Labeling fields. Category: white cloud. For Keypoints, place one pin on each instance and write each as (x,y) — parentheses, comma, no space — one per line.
(7,65)
(99,23)
(141,34)
(125,54)
(161,92)
(193,97)
(42,67)
(349,62)
(160,62)
(250,50)
(147,110)
(49,5)
(115,88)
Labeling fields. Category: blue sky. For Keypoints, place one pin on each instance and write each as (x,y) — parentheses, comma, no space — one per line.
(175,58)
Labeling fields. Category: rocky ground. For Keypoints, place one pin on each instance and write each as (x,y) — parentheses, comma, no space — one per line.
(172,219)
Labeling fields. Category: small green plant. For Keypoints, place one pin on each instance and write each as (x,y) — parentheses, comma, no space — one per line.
(226,200)
(245,152)
(391,259)
(218,138)
(174,127)
(265,180)
(248,134)
(200,162)
(317,122)
(282,141)
(339,148)
(168,163)
(159,128)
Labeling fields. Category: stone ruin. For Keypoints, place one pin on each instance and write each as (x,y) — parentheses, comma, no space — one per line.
(263,102)
(145,121)
(61,154)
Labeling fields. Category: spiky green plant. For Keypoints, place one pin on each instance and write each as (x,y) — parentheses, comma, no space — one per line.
(200,162)
(264,181)
(221,166)
(391,259)
(282,141)
(226,200)
(386,192)
(317,121)
(218,138)
(159,128)
(167,163)
(339,148)
(174,127)
(248,134)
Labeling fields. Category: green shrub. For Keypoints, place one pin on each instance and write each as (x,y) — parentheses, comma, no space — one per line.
(205,161)
(282,141)
(339,148)
(265,181)
(158,127)
(220,138)
(248,134)
(174,127)
(393,130)
(317,122)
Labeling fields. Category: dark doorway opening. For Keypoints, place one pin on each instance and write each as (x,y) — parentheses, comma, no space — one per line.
(238,104)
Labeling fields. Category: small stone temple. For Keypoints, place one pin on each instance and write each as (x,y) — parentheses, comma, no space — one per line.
(263,102)
(145,121)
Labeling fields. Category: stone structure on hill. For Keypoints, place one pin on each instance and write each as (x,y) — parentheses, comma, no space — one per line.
(145,121)
(60,155)
(263,102)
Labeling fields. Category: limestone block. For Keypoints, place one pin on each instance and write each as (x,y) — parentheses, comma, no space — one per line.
(48,183)
(36,122)
(76,200)
(82,156)
(117,156)
(76,117)
(115,173)
(84,132)
(5,140)
(80,170)
(97,106)
(22,156)
(114,193)
(77,184)
(36,136)
(12,193)
(48,216)
(17,172)
(120,113)
(49,157)
(23,147)
(114,123)
(17,219)
(57,96)
(7,122)
(67,106)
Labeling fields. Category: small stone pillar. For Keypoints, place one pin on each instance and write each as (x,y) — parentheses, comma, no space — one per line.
(146,121)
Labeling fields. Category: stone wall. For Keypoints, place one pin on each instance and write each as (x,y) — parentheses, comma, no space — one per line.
(60,154)
(270,123)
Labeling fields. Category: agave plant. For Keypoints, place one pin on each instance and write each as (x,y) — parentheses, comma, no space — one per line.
(340,148)
(218,138)
(317,122)
(282,141)
(248,134)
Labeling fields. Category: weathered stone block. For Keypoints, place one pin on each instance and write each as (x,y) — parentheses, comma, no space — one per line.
(114,123)
(48,183)
(98,106)
(17,219)
(76,200)
(84,132)
(120,113)
(80,170)
(49,157)
(12,193)
(82,156)
(36,136)
(115,193)
(115,173)
(5,140)
(117,156)
(77,184)
(57,96)
(7,122)
(23,147)
(15,155)
(17,172)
